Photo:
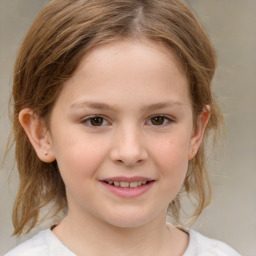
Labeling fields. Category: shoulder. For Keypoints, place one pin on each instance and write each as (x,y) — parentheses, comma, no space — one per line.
(201,245)
(36,245)
(43,244)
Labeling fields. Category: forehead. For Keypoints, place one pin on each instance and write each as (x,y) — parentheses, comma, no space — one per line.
(140,70)
(138,49)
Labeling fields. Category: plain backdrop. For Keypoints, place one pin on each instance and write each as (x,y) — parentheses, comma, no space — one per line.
(231,25)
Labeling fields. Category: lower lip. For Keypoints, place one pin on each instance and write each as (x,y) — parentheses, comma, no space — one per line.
(128,192)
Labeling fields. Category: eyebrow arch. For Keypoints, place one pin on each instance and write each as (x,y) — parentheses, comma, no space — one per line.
(104,106)
(94,105)
(162,105)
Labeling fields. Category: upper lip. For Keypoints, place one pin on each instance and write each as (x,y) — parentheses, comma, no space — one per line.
(127,179)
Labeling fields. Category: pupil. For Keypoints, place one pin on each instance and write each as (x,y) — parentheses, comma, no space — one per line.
(158,120)
(96,121)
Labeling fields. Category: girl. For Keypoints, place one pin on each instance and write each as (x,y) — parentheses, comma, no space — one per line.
(112,109)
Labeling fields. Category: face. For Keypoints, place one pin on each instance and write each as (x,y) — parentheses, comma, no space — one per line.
(122,133)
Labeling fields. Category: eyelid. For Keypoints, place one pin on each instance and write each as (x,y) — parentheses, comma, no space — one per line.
(86,120)
(167,117)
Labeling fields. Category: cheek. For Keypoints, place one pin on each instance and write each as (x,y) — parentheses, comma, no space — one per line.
(172,149)
(171,157)
(78,155)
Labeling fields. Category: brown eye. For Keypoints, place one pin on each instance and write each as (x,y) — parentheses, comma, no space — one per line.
(96,121)
(158,120)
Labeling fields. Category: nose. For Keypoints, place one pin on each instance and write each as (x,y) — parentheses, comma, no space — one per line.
(129,148)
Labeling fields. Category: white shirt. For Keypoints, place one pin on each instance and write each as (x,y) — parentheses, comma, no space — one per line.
(45,243)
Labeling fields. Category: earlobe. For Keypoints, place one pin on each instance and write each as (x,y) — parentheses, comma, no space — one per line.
(198,133)
(38,134)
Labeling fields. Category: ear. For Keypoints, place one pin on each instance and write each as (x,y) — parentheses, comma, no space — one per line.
(198,132)
(38,134)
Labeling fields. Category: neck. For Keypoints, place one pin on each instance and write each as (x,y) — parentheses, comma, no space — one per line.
(89,237)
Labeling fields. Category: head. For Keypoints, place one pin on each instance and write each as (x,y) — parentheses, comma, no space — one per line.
(62,34)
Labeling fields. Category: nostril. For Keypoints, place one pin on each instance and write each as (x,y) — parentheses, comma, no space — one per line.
(129,153)
(130,162)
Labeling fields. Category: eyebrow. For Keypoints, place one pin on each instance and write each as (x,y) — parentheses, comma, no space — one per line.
(94,105)
(104,106)
(162,105)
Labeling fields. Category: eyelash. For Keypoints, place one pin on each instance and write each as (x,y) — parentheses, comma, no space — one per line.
(88,121)
(166,120)
(103,122)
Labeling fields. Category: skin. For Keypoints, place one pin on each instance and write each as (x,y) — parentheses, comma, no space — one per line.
(128,84)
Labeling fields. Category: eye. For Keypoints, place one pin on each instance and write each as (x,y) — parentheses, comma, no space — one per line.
(95,121)
(159,120)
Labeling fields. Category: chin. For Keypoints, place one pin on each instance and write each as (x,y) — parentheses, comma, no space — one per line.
(129,219)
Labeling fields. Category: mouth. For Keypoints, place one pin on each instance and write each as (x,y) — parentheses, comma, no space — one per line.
(128,186)
(125,184)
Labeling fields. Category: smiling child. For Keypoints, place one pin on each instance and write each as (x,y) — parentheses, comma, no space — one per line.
(112,109)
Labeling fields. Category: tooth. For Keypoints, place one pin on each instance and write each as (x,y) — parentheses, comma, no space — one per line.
(134,184)
(124,184)
(116,183)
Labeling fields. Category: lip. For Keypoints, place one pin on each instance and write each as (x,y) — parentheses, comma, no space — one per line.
(128,179)
(128,192)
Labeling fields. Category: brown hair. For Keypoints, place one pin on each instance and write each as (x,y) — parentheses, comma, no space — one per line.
(57,40)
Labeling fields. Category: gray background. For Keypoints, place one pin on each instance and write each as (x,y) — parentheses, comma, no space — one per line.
(232,27)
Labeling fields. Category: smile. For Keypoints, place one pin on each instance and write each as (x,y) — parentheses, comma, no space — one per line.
(128,187)
(125,184)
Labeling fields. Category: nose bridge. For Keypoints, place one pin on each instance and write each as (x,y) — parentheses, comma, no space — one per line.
(129,147)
